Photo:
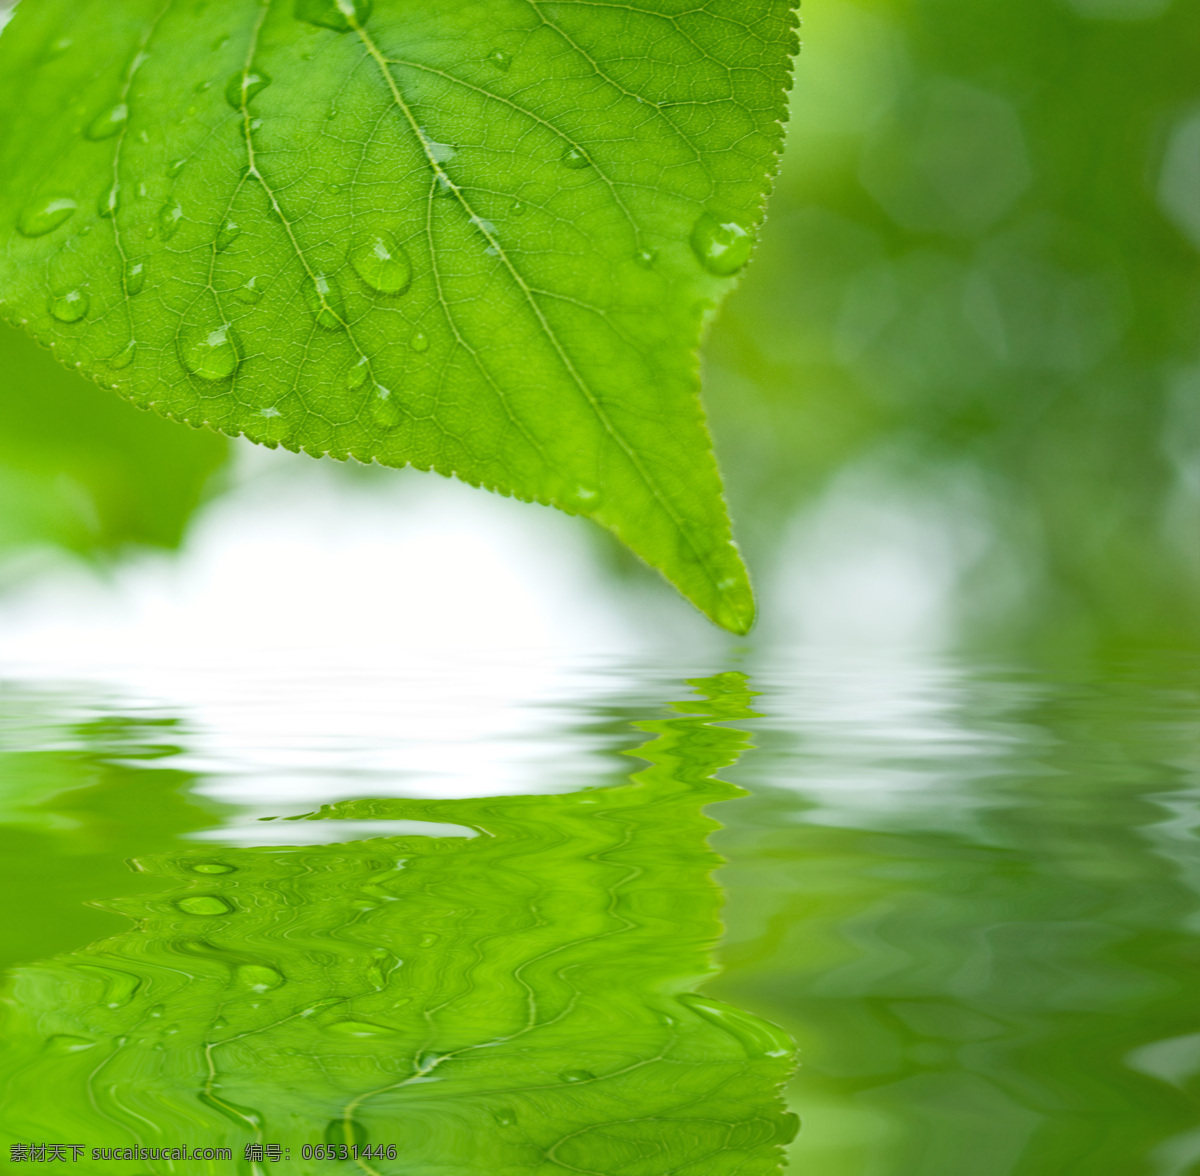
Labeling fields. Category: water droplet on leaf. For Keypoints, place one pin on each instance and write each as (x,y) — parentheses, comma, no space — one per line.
(70,307)
(210,354)
(243,86)
(211,868)
(356,374)
(574,158)
(108,122)
(248,293)
(124,357)
(759,1038)
(645,257)
(324,302)
(67,1043)
(173,169)
(382,262)
(499,59)
(723,245)
(258,977)
(339,15)
(385,411)
(110,202)
(135,276)
(170,218)
(577,1076)
(45,215)
(419,341)
(204,904)
(227,234)
(357,1029)
(119,987)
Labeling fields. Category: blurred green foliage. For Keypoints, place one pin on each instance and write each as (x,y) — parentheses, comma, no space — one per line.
(82,470)
(980,278)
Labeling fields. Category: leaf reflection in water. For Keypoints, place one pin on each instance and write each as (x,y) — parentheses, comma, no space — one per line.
(515,1001)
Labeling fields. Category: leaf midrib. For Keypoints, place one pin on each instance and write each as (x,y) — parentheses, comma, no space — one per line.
(661,500)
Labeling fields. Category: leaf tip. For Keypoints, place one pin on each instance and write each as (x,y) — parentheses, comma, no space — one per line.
(734,608)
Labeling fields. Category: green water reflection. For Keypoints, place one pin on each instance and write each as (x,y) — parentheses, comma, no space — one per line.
(970,893)
(975,903)
(512,995)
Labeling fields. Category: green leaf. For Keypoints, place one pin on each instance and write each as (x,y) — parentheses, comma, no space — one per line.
(83,471)
(512,996)
(478,236)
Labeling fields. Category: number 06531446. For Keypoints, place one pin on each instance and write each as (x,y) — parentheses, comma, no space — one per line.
(351,1151)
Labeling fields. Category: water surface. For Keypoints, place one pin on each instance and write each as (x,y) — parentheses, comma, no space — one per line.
(477,913)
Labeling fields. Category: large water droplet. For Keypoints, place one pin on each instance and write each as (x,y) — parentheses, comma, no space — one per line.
(231,1110)
(759,1038)
(170,217)
(577,1076)
(723,245)
(204,904)
(580,498)
(386,412)
(119,987)
(499,59)
(45,215)
(382,262)
(211,868)
(339,15)
(68,1043)
(356,374)
(318,1005)
(258,977)
(135,277)
(419,341)
(124,357)
(70,307)
(108,122)
(110,201)
(243,85)
(505,1116)
(574,158)
(357,1029)
(175,167)
(271,427)
(227,234)
(210,354)
(249,293)
(324,302)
